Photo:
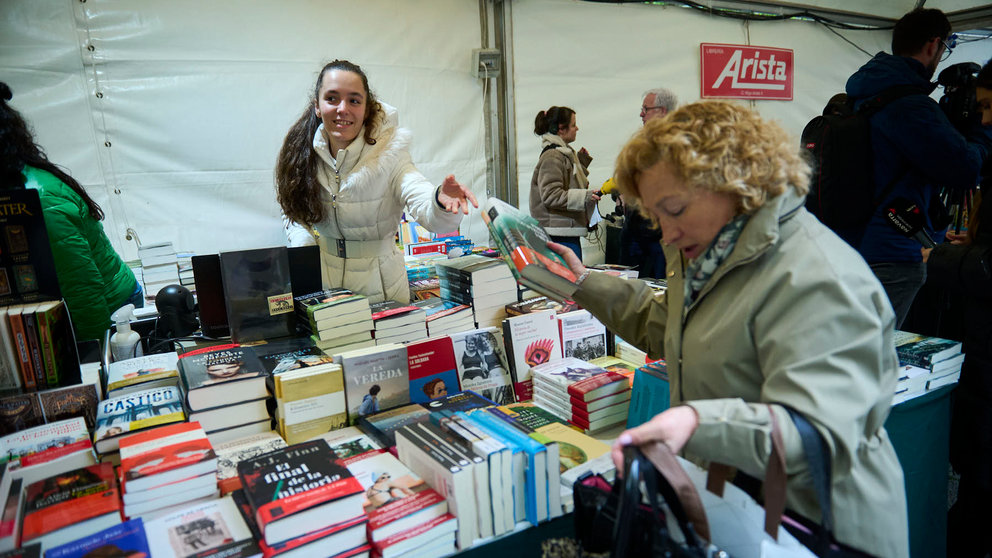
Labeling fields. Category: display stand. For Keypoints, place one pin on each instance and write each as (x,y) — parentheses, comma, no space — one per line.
(920,432)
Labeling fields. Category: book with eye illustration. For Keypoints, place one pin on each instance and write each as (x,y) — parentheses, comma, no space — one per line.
(523,244)
(531,339)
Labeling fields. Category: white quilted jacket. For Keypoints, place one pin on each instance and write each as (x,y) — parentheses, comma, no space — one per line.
(365,199)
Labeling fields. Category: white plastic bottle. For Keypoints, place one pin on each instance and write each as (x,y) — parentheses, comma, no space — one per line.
(125,343)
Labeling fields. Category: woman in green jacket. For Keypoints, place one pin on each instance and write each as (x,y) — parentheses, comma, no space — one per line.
(93,278)
(766,311)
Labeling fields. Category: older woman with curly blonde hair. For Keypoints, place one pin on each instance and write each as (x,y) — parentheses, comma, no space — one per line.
(766,312)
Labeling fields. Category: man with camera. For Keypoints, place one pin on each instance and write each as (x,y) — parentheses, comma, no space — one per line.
(916,151)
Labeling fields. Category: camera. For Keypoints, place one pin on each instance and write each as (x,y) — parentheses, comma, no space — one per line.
(958,101)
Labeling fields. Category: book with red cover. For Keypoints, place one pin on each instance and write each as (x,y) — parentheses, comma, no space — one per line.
(299,489)
(432,369)
(600,385)
(23,352)
(423,535)
(165,454)
(70,499)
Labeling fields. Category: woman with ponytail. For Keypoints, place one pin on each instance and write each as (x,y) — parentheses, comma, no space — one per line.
(560,197)
(344,177)
(93,278)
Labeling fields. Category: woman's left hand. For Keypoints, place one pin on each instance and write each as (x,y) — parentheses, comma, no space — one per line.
(674,427)
(455,197)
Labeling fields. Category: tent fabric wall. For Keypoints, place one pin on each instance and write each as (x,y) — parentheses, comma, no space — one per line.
(197,96)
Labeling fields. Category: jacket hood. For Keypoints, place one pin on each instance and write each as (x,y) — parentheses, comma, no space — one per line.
(885,71)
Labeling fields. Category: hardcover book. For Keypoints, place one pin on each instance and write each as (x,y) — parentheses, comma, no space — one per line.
(22,356)
(376,378)
(144,372)
(166,454)
(211,528)
(310,401)
(582,335)
(396,498)
(523,244)
(80,400)
(231,453)
(64,507)
(299,489)
(332,307)
(133,412)
(482,365)
(531,340)
(126,539)
(27,268)
(258,293)
(10,373)
(382,426)
(221,377)
(432,369)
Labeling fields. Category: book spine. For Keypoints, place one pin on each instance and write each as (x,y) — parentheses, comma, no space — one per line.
(48,348)
(23,351)
(34,348)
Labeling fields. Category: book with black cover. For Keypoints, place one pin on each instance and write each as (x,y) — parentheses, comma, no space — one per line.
(221,376)
(27,269)
(299,489)
(258,293)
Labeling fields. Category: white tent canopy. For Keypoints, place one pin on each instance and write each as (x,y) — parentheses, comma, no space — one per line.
(171,113)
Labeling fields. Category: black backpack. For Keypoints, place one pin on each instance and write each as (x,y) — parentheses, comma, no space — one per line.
(842,188)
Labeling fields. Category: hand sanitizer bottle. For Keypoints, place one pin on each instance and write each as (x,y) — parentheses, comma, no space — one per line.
(125,343)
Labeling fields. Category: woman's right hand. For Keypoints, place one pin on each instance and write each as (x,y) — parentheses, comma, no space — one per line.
(673,427)
(573,261)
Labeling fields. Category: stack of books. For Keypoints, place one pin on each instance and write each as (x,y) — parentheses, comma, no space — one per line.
(144,372)
(226,391)
(301,496)
(405,513)
(926,363)
(582,393)
(229,454)
(398,323)
(140,410)
(67,506)
(310,401)
(212,527)
(337,319)
(485,284)
(445,316)
(49,449)
(165,467)
(159,267)
(626,351)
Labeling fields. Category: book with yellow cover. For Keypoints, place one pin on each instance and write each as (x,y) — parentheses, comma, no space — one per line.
(310,401)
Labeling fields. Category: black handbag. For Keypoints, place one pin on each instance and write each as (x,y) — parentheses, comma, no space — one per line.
(615,518)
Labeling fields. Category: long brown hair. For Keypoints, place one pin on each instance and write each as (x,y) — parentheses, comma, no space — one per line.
(297,189)
(17,149)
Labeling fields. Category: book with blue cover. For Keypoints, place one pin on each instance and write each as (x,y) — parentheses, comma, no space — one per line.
(124,539)
(536,482)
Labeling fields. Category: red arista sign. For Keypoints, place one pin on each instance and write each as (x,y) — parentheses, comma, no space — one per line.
(745,72)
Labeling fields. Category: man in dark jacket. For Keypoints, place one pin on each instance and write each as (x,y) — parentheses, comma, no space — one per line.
(640,240)
(914,145)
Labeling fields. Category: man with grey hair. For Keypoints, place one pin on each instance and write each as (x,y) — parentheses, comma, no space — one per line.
(657,102)
(640,241)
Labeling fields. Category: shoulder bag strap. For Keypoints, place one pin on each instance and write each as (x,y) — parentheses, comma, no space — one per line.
(679,491)
(814,446)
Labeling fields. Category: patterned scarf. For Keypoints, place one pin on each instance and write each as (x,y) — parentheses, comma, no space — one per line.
(701,269)
(578,171)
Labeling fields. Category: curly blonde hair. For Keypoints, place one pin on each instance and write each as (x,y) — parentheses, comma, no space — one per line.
(717,146)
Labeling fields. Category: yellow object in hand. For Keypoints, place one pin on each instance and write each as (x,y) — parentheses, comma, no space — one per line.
(609,186)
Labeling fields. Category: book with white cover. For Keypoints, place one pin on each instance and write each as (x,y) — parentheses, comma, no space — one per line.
(582,335)
(531,339)
(215,525)
(144,372)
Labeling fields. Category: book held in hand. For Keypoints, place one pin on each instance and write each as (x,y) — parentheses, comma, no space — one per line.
(523,244)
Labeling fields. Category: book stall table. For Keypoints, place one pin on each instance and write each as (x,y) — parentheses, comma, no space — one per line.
(920,432)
